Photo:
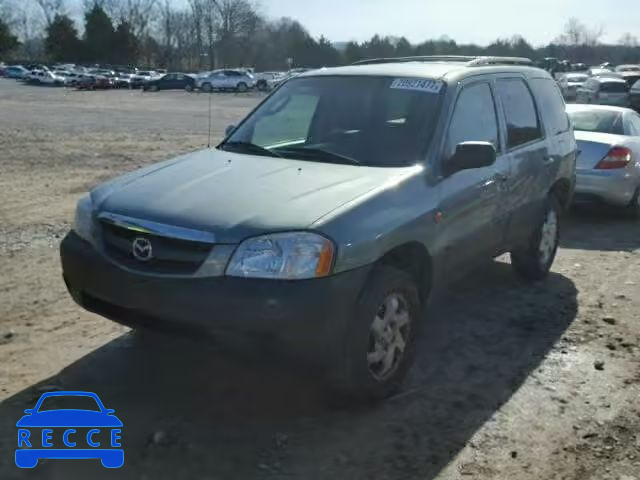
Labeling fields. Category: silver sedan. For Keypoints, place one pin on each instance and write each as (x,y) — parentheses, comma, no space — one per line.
(608,168)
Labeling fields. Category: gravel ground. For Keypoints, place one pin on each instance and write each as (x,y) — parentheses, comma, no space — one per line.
(512,381)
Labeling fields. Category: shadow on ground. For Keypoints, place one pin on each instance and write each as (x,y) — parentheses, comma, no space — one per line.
(600,228)
(223,418)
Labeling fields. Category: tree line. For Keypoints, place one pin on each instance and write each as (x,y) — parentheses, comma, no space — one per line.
(208,34)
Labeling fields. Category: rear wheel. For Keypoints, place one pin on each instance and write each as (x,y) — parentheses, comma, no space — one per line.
(189,88)
(533,261)
(633,209)
(380,341)
(206,87)
(262,85)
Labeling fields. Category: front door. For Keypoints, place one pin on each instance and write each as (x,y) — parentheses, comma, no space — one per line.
(471,200)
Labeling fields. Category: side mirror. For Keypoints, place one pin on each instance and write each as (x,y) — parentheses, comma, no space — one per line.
(29,411)
(471,155)
(109,411)
(229,130)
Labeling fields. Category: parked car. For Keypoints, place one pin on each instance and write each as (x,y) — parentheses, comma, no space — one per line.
(598,71)
(16,71)
(120,80)
(328,216)
(171,81)
(627,68)
(237,80)
(608,166)
(42,77)
(634,96)
(268,80)
(631,77)
(138,80)
(605,90)
(570,82)
(94,82)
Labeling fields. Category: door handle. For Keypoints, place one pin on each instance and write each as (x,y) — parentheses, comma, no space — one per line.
(501,177)
(548,161)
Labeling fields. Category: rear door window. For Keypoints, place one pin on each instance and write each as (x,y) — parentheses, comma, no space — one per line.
(474,118)
(552,107)
(520,112)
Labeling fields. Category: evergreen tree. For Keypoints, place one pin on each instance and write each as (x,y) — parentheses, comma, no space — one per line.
(62,42)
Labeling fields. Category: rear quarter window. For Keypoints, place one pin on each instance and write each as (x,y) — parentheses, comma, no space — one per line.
(551,105)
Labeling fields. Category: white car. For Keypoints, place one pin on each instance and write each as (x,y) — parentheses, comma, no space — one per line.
(268,80)
(45,78)
(238,80)
(570,82)
(628,68)
(604,90)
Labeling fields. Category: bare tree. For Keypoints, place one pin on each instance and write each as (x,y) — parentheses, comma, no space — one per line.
(628,40)
(577,33)
(50,8)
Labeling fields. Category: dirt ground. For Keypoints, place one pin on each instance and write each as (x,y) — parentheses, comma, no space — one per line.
(511,382)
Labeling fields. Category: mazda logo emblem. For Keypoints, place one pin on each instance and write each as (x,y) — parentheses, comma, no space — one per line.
(142,249)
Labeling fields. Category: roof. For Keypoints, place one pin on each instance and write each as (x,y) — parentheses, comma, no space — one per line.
(437,70)
(582,107)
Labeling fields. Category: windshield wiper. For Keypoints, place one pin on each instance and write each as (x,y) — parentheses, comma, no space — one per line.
(309,153)
(248,147)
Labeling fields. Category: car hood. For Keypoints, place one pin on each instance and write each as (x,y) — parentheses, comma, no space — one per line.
(236,196)
(69,418)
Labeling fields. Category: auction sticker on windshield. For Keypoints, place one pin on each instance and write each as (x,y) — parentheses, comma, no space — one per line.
(420,84)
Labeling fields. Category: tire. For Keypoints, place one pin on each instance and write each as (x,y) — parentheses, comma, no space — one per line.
(188,88)
(206,87)
(262,85)
(533,262)
(359,373)
(633,209)
(154,88)
(242,87)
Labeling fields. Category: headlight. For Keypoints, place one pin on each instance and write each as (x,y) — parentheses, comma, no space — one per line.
(286,256)
(83,220)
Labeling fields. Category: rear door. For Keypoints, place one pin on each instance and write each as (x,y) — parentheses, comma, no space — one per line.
(614,93)
(528,154)
(471,198)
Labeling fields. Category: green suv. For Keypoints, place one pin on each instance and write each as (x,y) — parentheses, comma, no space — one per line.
(324,221)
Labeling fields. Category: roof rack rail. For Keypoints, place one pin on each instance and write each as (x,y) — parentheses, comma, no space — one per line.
(470,61)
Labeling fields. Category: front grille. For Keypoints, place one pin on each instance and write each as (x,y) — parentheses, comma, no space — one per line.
(170,255)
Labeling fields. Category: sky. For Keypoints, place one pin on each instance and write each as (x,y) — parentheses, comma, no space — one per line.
(477,21)
(465,21)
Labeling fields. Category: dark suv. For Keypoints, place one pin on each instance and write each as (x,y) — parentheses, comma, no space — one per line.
(327,217)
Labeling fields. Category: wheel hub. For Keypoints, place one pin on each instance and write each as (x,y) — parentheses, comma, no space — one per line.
(548,237)
(388,336)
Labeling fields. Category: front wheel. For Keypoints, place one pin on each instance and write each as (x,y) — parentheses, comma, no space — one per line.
(380,340)
(206,87)
(242,87)
(533,261)
(189,88)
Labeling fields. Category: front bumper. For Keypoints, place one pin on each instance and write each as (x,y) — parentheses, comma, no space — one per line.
(306,317)
(613,187)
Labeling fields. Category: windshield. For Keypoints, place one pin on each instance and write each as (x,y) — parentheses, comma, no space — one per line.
(372,121)
(597,121)
(69,402)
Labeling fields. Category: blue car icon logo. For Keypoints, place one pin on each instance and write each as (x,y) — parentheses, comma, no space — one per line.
(88,430)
